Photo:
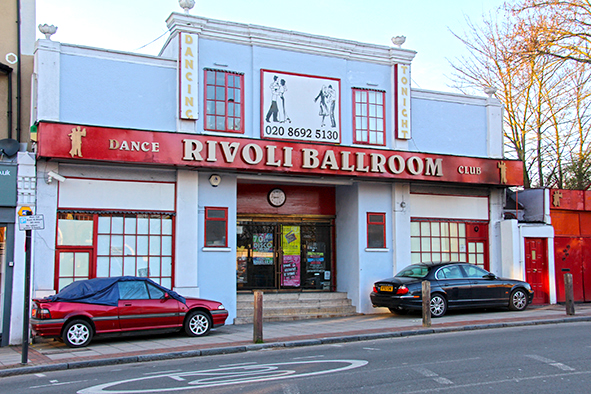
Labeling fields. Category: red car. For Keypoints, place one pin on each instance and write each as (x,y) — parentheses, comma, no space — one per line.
(120,305)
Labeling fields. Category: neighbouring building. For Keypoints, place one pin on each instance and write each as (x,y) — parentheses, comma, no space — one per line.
(245,157)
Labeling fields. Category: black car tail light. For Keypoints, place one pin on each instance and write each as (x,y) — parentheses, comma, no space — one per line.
(402,290)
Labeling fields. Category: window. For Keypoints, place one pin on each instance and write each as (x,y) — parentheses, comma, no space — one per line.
(103,245)
(376,230)
(442,241)
(368,117)
(216,227)
(224,107)
(136,245)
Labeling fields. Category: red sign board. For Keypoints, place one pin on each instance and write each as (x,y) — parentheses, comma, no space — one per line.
(90,143)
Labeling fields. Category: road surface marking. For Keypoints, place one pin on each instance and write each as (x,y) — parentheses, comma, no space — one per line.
(430,374)
(550,362)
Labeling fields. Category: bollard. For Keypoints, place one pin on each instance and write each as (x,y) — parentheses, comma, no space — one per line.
(426,296)
(569,294)
(257,322)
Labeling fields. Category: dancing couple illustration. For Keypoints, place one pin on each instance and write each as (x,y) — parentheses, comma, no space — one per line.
(277,108)
(328,98)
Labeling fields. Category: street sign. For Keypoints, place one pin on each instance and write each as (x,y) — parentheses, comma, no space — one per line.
(33,222)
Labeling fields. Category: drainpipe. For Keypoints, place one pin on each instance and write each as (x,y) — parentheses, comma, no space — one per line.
(8,71)
(18,73)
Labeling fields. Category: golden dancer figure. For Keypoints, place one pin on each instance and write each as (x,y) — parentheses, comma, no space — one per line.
(76,137)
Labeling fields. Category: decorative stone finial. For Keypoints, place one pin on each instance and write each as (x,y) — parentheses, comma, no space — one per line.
(490,91)
(187,5)
(398,40)
(48,30)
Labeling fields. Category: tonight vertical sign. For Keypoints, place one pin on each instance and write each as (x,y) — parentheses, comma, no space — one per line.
(188,77)
(403,102)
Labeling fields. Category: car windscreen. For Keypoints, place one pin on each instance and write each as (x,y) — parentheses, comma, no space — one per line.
(413,271)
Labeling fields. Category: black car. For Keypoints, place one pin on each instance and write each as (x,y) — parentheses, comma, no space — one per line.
(453,285)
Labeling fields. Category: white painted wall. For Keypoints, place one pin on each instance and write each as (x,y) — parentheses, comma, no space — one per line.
(448,207)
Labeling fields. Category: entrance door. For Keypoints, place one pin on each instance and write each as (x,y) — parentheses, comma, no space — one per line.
(284,256)
(2,273)
(72,265)
(536,269)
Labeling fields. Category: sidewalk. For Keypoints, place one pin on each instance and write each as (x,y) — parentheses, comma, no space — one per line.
(49,354)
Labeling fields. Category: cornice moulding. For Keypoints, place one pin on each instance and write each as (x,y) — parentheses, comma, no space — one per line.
(253,35)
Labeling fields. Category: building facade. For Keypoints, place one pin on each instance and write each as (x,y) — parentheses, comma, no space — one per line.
(245,157)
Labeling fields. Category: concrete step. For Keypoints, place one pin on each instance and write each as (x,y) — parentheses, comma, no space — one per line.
(294,306)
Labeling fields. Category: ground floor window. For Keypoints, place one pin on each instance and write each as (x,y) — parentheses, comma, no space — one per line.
(442,240)
(293,256)
(107,244)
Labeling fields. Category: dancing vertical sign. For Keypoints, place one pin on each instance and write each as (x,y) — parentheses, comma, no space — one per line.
(300,107)
(188,76)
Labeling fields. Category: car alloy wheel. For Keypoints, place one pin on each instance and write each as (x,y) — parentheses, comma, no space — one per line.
(438,305)
(198,323)
(518,300)
(77,333)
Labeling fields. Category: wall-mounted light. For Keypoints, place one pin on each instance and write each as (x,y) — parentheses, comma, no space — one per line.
(403,204)
(215,180)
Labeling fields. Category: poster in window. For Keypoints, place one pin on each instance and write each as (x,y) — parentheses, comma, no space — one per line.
(290,237)
(262,249)
(300,107)
(290,271)
(241,265)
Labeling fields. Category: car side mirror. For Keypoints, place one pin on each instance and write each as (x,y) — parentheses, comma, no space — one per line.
(490,275)
(165,297)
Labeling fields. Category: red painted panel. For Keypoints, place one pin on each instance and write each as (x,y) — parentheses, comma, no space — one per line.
(567,199)
(568,257)
(565,223)
(585,223)
(536,269)
(90,143)
(301,200)
(585,269)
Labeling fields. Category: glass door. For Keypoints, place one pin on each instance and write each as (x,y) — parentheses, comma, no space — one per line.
(2,272)
(285,256)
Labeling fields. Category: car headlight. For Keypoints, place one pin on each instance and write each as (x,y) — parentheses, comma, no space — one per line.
(221,306)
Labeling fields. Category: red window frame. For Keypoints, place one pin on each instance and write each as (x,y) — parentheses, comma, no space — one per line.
(365,110)
(219,99)
(371,221)
(209,219)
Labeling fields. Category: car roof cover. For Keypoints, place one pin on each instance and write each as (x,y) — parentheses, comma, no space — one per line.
(103,291)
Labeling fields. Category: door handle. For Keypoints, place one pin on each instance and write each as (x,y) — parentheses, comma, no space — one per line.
(127,304)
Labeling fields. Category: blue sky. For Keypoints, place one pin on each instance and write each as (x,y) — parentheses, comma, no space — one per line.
(129,25)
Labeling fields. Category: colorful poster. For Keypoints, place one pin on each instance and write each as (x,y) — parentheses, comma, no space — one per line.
(290,271)
(315,262)
(290,240)
(262,249)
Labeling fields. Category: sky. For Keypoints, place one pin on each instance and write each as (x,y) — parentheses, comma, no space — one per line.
(140,26)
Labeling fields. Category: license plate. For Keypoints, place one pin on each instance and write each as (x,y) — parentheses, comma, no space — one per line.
(387,288)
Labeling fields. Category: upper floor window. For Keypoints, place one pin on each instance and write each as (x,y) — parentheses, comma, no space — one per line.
(216,227)
(376,230)
(224,104)
(368,117)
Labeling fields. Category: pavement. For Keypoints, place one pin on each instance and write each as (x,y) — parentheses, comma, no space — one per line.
(50,355)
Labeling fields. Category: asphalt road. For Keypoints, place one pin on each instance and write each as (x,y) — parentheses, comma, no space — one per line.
(531,359)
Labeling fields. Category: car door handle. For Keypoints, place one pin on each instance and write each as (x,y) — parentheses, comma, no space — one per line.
(127,304)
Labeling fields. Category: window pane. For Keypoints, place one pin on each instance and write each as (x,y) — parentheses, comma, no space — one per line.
(154,245)
(142,246)
(425,229)
(129,266)
(435,244)
(154,292)
(130,225)
(462,229)
(220,78)
(142,266)
(426,244)
(142,226)
(133,290)
(215,234)
(116,225)
(166,266)
(211,122)
(66,264)
(166,226)
(155,226)
(220,123)
(102,267)
(154,266)
(210,109)
(104,224)
(103,245)
(415,244)
(129,247)
(63,282)
(75,232)
(82,265)
(220,93)
(116,245)
(116,266)
(210,77)
(415,229)
(166,246)
(220,108)
(375,236)
(210,93)
(166,282)
(435,229)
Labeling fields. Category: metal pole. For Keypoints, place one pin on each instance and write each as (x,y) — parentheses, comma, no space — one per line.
(258,317)
(569,294)
(25,351)
(426,297)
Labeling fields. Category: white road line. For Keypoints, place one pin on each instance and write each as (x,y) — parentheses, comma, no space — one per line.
(57,384)
(40,375)
(550,362)
(177,378)
(430,374)
(237,365)
(308,357)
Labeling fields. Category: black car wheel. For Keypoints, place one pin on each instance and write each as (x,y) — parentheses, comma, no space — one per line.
(198,323)
(77,333)
(438,305)
(518,301)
